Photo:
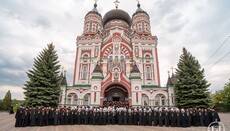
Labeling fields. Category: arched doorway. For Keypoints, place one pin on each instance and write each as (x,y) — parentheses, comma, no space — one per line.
(116,95)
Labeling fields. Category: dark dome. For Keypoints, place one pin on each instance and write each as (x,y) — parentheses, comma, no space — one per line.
(116,14)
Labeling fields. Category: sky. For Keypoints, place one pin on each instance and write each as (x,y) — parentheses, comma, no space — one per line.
(27,26)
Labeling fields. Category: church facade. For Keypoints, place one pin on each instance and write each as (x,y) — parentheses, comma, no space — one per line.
(116,63)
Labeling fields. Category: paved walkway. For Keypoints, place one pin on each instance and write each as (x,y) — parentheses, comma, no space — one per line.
(7,124)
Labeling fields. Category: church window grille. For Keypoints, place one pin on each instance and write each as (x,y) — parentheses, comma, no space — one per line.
(157,100)
(116,60)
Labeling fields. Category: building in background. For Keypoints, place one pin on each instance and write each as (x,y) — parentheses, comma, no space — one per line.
(116,63)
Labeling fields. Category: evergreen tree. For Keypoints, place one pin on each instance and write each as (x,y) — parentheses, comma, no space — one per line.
(43,86)
(191,89)
(7,100)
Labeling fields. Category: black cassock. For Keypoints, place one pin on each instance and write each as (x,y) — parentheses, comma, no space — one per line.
(200,120)
(67,117)
(113,117)
(25,118)
(94,122)
(161,118)
(144,118)
(130,118)
(206,118)
(183,119)
(62,117)
(189,119)
(125,117)
(173,119)
(166,114)
(178,119)
(79,117)
(51,117)
(155,118)
(56,114)
(135,118)
(46,118)
(104,118)
(214,116)
(18,117)
(33,117)
(140,115)
(90,116)
(194,118)
(149,118)
(38,117)
(71,117)
(87,117)
(119,117)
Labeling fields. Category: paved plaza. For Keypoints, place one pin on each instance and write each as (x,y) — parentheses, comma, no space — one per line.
(7,124)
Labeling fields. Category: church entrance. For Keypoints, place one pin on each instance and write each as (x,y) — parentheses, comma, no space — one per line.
(116,95)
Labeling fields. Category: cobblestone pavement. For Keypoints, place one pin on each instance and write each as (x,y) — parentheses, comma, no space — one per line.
(7,124)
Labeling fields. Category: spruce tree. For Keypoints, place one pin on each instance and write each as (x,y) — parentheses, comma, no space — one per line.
(191,89)
(43,86)
(7,100)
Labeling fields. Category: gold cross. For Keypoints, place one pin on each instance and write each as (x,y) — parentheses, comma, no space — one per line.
(138,1)
(95,1)
(117,3)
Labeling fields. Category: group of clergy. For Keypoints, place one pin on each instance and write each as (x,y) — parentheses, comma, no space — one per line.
(174,117)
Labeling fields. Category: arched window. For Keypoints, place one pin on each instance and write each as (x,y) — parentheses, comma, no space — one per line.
(69,99)
(148,73)
(145,101)
(110,62)
(147,57)
(122,63)
(75,99)
(163,100)
(157,100)
(172,98)
(84,76)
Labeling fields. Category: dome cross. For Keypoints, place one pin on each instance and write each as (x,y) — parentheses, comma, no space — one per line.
(117,3)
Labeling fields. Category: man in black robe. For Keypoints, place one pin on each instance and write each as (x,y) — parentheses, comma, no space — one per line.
(51,116)
(166,115)
(173,120)
(200,120)
(62,116)
(214,116)
(183,118)
(206,117)
(155,117)
(119,116)
(33,117)
(86,116)
(18,117)
(149,116)
(189,117)
(91,115)
(140,115)
(56,115)
(79,115)
(25,117)
(178,117)
(135,117)
(130,116)
(114,113)
(71,116)
(94,116)
(161,118)
(144,117)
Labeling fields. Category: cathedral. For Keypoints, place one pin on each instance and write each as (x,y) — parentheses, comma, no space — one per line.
(116,63)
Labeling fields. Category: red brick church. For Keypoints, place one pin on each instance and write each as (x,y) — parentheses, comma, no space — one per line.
(117,63)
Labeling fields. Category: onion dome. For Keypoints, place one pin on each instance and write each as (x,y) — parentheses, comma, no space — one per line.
(117,14)
(94,10)
(139,10)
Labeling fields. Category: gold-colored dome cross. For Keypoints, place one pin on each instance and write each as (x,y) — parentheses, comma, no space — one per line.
(117,3)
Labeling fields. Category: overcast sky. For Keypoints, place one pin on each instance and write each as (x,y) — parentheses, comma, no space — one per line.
(27,26)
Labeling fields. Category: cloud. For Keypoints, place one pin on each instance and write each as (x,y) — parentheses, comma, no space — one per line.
(26,27)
